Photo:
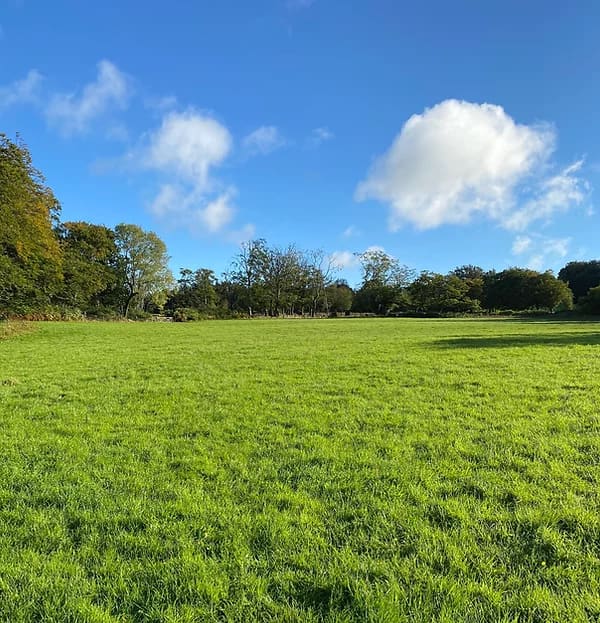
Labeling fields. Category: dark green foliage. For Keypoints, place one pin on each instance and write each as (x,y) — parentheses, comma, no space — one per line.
(339,297)
(521,288)
(196,290)
(89,264)
(581,276)
(474,278)
(432,292)
(590,303)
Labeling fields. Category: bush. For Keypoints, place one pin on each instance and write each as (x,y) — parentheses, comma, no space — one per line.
(186,314)
(49,312)
(103,313)
(139,314)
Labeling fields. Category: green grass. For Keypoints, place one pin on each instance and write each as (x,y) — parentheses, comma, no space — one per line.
(343,470)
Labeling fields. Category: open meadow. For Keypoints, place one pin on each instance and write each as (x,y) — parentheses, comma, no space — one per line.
(294,470)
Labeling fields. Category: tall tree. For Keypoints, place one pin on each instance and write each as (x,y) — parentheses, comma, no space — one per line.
(143,265)
(284,280)
(89,263)
(249,270)
(318,270)
(30,256)
(581,276)
(474,278)
(196,290)
(384,282)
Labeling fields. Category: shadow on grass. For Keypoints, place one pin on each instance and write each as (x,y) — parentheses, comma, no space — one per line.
(551,319)
(562,338)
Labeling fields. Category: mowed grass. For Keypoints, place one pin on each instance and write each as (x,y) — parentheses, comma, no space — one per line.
(334,470)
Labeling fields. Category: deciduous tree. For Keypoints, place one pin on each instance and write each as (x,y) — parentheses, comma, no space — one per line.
(143,265)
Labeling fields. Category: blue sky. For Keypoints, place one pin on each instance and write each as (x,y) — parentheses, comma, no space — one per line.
(444,133)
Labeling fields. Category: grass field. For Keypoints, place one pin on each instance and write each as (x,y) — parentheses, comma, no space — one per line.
(334,470)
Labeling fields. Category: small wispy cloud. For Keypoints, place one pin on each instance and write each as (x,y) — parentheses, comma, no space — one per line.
(318,136)
(72,113)
(350,231)
(161,104)
(179,206)
(554,194)
(343,259)
(263,140)
(246,233)
(24,91)
(541,251)
(521,244)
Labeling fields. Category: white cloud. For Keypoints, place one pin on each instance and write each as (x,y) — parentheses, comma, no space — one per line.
(460,159)
(521,244)
(186,149)
(543,251)
(217,213)
(247,232)
(343,259)
(554,194)
(188,144)
(185,207)
(263,140)
(73,113)
(21,91)
(350,231)
(319,136)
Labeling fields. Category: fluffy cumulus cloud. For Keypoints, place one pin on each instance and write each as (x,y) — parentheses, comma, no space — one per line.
(23,91)
(73,112)
(459,160)
(186,149)
(188,144)
(263,140)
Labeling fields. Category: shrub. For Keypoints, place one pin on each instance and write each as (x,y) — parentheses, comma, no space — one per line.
(139,314)
(186,314)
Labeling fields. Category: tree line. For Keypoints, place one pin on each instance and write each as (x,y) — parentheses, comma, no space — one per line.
(54,269)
